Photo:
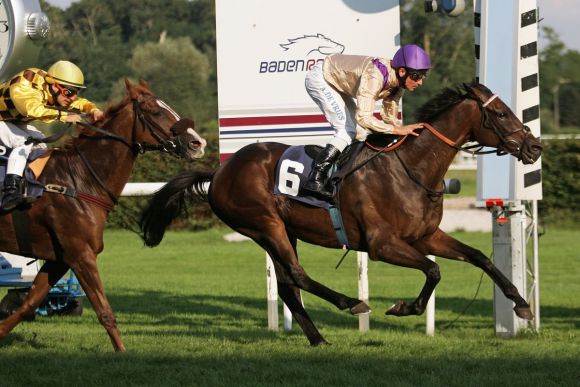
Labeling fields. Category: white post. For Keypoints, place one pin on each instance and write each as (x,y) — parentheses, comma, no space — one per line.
(536,269)
(363,288)
(272,290)
(287,319)
(509,257)
(430,311)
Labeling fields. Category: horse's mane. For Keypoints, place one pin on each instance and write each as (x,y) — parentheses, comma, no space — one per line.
(110,111)
(445,99)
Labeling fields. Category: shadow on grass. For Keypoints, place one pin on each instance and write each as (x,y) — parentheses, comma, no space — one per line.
(223,313)
(309,368)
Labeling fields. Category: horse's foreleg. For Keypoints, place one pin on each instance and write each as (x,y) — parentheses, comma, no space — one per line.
(85,268)
(445,246)
(48,275)
(401,254)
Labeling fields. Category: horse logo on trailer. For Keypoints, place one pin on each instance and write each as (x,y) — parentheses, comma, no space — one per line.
(308,44)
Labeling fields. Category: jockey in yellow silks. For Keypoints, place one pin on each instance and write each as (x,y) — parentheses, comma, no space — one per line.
(36,95)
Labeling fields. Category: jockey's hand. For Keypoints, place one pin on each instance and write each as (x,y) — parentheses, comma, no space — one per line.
(407,129)
(73,118)
(96,115)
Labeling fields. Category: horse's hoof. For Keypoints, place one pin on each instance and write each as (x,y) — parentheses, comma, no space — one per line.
(360,308)
(524,312)
(398,309)
(320,343)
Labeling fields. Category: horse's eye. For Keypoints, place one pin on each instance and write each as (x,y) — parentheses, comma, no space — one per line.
(502,115)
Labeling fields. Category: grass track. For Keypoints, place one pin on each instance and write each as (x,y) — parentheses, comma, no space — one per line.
(193,313)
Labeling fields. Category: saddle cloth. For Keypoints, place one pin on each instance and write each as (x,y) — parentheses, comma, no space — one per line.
(36,162)
(292,173)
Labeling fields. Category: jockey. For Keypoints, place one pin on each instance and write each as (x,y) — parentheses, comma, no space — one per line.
(346,87)
(36,95)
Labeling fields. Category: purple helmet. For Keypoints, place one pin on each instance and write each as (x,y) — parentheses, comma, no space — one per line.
(411,56)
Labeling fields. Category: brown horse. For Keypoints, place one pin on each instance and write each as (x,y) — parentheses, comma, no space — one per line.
(67,231)
(391,206)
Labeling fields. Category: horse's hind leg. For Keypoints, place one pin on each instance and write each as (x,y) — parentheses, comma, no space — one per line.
(275,241)
(48,275)
(292,298)
(85,268)
(445,246)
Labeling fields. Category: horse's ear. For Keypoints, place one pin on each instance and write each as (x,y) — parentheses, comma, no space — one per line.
(144,83)
(128,84)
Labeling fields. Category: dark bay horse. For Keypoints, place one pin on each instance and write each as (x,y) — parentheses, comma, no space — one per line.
(67,231)
(391,206)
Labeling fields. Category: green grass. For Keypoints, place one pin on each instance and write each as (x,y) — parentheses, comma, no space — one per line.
(192,312)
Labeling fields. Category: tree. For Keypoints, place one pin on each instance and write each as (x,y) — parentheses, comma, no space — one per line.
(178,72)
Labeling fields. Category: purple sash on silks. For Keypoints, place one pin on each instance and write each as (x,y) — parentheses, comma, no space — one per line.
(383,69)
(292,173)
(33,188)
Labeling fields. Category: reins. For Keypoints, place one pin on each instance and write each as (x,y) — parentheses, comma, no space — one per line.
(135,146)
(453,144)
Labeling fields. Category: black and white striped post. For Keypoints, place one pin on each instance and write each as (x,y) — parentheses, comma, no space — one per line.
(506,51)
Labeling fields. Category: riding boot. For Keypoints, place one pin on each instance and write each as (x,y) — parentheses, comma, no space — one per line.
(318,177)
(13,192)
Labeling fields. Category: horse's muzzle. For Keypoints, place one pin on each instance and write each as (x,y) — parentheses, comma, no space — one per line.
(531,150)
(190,144)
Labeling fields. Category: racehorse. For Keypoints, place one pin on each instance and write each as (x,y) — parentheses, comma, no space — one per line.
(66,229)
(391,202)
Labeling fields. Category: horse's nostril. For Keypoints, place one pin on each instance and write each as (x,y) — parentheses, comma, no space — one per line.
(194,144)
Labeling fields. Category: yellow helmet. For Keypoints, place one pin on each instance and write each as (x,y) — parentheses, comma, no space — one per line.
(66,73)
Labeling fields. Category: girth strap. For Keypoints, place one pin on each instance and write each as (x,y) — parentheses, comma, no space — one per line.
(336,219)
(71,192)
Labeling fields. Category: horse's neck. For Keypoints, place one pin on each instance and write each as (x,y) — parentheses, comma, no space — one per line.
(110,159)
(431,156)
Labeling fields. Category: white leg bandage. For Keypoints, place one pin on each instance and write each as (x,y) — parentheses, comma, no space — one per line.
(14,136)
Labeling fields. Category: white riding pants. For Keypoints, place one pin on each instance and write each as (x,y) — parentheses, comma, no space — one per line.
(339,110)
(14,136)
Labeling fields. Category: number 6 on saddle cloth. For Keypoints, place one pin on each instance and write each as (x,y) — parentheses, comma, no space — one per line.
(292,173)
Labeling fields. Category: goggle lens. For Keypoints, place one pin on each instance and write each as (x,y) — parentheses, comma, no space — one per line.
(417,75)
(67,91)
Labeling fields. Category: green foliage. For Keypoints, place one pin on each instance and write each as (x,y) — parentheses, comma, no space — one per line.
(559,77)
(186,85)
(561,182)
(449,42)
(112,40)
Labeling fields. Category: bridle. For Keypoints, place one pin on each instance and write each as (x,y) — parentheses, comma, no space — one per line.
(505,139)
(486,123)
(170,145)
(137,147)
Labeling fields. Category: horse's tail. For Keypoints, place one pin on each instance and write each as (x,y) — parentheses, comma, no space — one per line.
(171,201)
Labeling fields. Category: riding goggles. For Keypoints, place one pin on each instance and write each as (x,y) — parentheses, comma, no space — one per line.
(417,75)
(67,91)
